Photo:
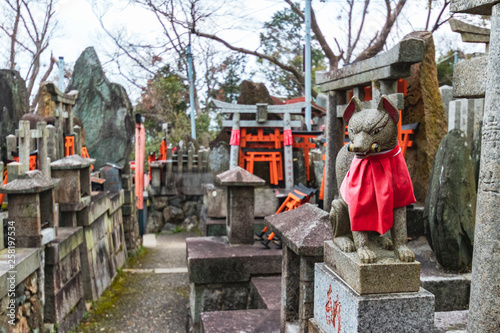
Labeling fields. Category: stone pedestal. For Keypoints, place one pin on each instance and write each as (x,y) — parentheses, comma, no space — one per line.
(220,274)
(338,308)
(386,275)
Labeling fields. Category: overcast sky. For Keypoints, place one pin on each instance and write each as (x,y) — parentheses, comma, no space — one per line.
(79,27)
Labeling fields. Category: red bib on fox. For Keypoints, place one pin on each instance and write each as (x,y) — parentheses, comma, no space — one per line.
(373,187)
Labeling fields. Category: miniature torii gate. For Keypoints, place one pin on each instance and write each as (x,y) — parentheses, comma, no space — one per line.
(261,110)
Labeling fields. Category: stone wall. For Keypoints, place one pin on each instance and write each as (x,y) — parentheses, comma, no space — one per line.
(27,316)
(64,301)
(175,211)
(103,250)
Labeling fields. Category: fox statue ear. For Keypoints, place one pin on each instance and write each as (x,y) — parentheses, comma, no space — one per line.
(353,107)
(386,105)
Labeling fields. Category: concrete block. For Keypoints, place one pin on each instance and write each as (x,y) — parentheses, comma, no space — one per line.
(482,7)
(469,78)
(265,292)
(304,229)
(214,260)
(394,312)
(248,321)
(386,275)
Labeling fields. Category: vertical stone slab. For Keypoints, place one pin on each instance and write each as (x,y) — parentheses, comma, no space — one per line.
(447,97)
(180,160)
(261,113)
(240,217)
(306,295)
(51,142)
(290,285)
(454,114)
(484,314)
(156,175)
(170,163)
(288,155)
(235,146)
(334,142)
(467,120)
(14,169)
(11,146)
(24,136)
(78,139)
(1,172)
(43,158)
(59,125)
(190,160)
(201,159)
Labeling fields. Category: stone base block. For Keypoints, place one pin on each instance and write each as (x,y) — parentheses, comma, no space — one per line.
(248,321)
(217,227)
(338,308)
(387,275)
(214,260)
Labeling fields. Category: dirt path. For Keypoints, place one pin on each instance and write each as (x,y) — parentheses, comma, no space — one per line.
(151,295)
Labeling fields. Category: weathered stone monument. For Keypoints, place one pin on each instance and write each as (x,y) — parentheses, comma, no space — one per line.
(484,314)
(221,268)
(105,111)
(240,198)
(423,104)
(450,208)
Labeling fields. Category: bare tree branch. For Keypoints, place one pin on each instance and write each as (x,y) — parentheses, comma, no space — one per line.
(358,36)
(332,58)
(44,78)
(379,43)
(298,76)
(437,24)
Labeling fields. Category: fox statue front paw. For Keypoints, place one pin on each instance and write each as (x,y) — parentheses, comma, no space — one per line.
(384,243)
(344,243)
(366,255)
(404,253)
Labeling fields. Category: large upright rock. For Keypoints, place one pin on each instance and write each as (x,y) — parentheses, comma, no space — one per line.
(253,93)
(13,104)
(423,104)
(105,111)
(450,209)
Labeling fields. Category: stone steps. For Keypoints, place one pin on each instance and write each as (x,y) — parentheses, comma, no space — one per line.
(265,292)
(242,321)
(265,299)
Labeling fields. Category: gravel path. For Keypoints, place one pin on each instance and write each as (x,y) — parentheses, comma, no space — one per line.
(151,295)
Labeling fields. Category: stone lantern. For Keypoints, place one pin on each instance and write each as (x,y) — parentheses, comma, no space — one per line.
(32,208)
(240,204)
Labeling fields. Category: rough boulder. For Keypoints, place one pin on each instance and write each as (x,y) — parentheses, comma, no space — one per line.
(13,104)
(105,111)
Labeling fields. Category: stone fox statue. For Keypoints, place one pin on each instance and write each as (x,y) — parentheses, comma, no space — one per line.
(375,185)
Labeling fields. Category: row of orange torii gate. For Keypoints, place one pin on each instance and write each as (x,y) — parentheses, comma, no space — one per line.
(270,139)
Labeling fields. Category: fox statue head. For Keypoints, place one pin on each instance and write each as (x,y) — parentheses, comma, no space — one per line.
(371,130)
